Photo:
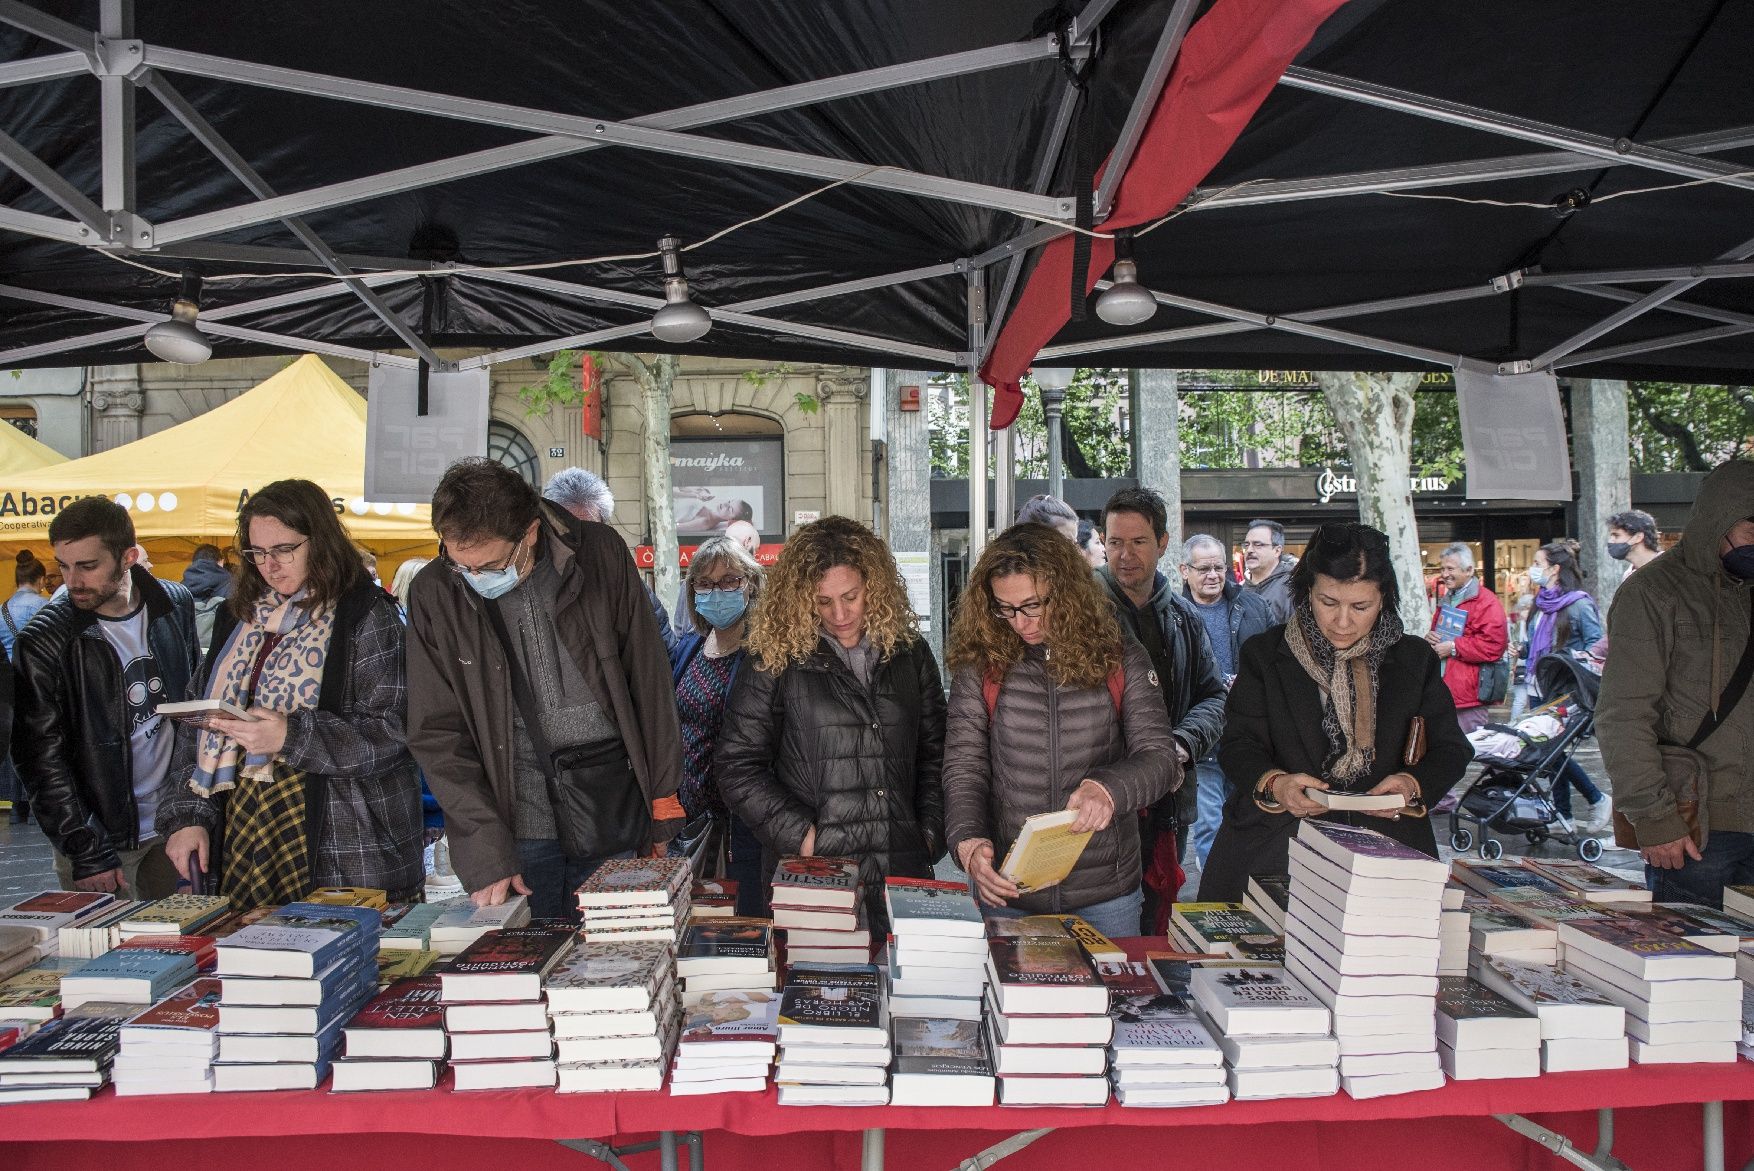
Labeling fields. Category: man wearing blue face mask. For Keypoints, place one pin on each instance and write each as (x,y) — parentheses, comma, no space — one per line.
(539,705)
(1674,718)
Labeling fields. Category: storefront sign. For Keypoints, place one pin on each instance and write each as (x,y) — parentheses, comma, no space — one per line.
(715,482)
(645,557)
(1331,484)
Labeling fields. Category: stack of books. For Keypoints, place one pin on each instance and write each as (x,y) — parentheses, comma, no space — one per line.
(396,1042)
(1161,1053)
(22,948)
(182,914)
(727,1043)
(725,955)
(1498,933)
(1527,893)
(1454,933)
(1588,882)
(1580,1028)
(411,929)
(496,1022)
(1048,1021)
(460,922)
(1481,1034)
(288,982)
(834,1037)
(1683,1001)
(169,1048)
(1268,898)
(32,995)
(98,934)
(138,971)
(1363,938)
(636,898)
(1229,929)
(66,1059)
(939,1061)
(712,898)
(44,914)
(1276,1037)
(614,1010)
(937,950)
(818,903)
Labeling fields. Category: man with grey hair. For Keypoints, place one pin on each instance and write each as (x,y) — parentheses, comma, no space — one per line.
(1468,633)
(1231,616)
(585,495)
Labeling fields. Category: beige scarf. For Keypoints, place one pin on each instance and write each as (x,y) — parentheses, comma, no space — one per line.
(1348,682)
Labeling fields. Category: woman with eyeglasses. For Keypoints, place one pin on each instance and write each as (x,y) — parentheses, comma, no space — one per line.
(722,585)
(834,737)
(1340,699)
(315,787)
(1051,709)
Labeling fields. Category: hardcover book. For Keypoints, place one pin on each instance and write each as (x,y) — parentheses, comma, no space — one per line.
(300,939)
(506,965)
(180,914)
(939,1046)
(711,898)
(725,946)
(621,882)
(31,995)
(732,1023)
(190,1014)
(404,1020)
(615,976)
(1043,975)
(816,882)
(923,906)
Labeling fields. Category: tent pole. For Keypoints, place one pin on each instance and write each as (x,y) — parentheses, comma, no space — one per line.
(977,417)
(1169,43)
(116,109)
(1684,308)
(50,28)
(47,180)
(43,68)
(1609,353)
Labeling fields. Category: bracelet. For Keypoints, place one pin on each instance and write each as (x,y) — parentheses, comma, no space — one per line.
(1263,793)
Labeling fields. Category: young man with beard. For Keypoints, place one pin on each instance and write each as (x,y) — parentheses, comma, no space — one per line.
(93,666)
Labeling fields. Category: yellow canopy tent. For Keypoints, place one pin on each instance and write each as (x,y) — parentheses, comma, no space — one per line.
(20,453)
(183,486)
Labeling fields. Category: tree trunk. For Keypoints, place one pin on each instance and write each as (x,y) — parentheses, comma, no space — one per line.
(1375,414)
(656,376)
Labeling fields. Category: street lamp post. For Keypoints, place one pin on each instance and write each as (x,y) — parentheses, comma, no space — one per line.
(1051,403)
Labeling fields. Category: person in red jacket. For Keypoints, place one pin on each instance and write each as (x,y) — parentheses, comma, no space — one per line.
(1482,640)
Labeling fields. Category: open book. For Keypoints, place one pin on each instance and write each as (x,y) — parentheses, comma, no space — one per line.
(198,711)
(1045,851)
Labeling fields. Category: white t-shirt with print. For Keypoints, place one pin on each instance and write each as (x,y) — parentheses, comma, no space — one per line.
(150,736)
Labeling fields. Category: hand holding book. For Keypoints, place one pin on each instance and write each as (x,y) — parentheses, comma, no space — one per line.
(1286,790)
(976,857)
(1093,806)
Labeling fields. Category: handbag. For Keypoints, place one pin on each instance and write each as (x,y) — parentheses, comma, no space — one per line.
(599,807)
(1685,772)
(1494,681)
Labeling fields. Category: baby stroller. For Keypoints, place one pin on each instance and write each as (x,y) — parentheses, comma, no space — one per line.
(1515,794)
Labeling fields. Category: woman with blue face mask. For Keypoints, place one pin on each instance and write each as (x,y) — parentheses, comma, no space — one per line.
(722,584)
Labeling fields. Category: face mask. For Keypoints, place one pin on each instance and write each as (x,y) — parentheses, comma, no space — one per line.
(1537,576)
(722,608)
(1739,562)
(1619,549)
(495,582)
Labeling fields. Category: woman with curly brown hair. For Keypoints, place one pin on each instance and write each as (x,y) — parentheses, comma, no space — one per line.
(834,736)
(1051,709)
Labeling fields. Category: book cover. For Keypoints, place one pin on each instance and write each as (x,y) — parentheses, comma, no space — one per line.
(1491,877)
(1225,928)
(1098,946)
(1148,1006)
(1041,962)
(461,918)
(732,1015)
(31,995)
(939,1045)
(513,951)
(1543,908)
(1706,926)
(840,997)
(1588,881)
(404,964)
(1638,939)
(406,1004)
(61,902)
(1539,986)
(1170,1031)
(87,1041)
(1026,926)
(1126,978)
(348,896)
(750,939)
(713,894)
(651,880)
(193,1007)
(1451,621)
(1464,998)
(178,913)
(625,965)
(1366,852)
(1271,889)
(412,929)
(839,875)
(925,903)
(1251,988)
(1174,970)
(1046,850)
(136,964)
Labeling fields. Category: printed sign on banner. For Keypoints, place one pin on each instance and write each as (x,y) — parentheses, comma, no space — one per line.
(718,481)
(405,452)
(1513,436)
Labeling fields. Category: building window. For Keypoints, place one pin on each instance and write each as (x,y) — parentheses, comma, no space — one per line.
(507,444)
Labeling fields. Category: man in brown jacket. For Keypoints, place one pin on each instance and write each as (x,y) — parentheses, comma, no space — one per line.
(515,574)
(1679,628)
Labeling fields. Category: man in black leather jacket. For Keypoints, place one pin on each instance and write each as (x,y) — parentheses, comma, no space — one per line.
(92,667)
(1136,532)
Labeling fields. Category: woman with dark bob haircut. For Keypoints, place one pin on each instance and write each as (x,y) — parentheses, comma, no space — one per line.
(1331,700)
(316,787)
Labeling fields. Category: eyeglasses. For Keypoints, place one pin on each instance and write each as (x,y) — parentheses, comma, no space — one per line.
(1205,570)
(504,563)
(1006,613)
(1257,544)
(280,554)
(724,583)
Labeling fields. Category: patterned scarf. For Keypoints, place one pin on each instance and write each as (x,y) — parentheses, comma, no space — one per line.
(1348,681)
(290,681)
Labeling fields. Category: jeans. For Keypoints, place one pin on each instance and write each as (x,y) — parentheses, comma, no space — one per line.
(1214,791)
(1519,701)
(743,864)
(1117,918)
(1728,861)
(1570,777)
(553,875)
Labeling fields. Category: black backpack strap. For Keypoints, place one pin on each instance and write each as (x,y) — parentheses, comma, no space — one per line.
(1733,691)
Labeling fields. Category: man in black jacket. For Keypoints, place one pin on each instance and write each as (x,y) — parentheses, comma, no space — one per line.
(1135,526)
(93,666)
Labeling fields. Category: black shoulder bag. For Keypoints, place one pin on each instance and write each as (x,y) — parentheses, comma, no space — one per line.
(1685,772)
(599,807)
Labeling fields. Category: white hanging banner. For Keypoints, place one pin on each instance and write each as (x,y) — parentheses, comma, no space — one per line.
(406,452)
(1513,436)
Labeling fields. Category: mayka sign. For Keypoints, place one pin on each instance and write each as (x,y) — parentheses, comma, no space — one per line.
(1331,484)
(707,463)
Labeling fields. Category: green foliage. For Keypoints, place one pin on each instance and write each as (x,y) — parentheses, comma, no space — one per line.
(1680,427)
(558,388)
(1095,411)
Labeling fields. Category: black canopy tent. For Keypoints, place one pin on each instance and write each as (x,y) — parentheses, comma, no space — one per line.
(904,155)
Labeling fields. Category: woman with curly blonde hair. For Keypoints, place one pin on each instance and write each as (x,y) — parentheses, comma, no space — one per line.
(1050,709)
(834,737)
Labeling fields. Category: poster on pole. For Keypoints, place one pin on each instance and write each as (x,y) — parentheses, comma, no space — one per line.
(916,574)
(1513,436)
(406,452)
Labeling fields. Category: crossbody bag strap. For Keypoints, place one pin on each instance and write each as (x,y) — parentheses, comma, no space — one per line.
(6,613)
(1733,691)
(521,694)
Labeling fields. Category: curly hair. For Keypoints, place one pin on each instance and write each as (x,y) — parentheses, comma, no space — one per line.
(786,628)
(1083,638)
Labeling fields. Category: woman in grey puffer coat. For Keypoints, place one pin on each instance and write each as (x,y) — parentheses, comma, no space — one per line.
(1050,708)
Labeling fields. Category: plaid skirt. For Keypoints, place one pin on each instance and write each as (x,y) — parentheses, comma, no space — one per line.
(267,855)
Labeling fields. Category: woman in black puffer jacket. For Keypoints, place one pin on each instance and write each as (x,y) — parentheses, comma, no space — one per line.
(833,737)
(1051,709)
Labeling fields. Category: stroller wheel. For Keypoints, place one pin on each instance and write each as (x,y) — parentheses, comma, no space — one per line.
(1461,841)
(1590,849)
(1491,849)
